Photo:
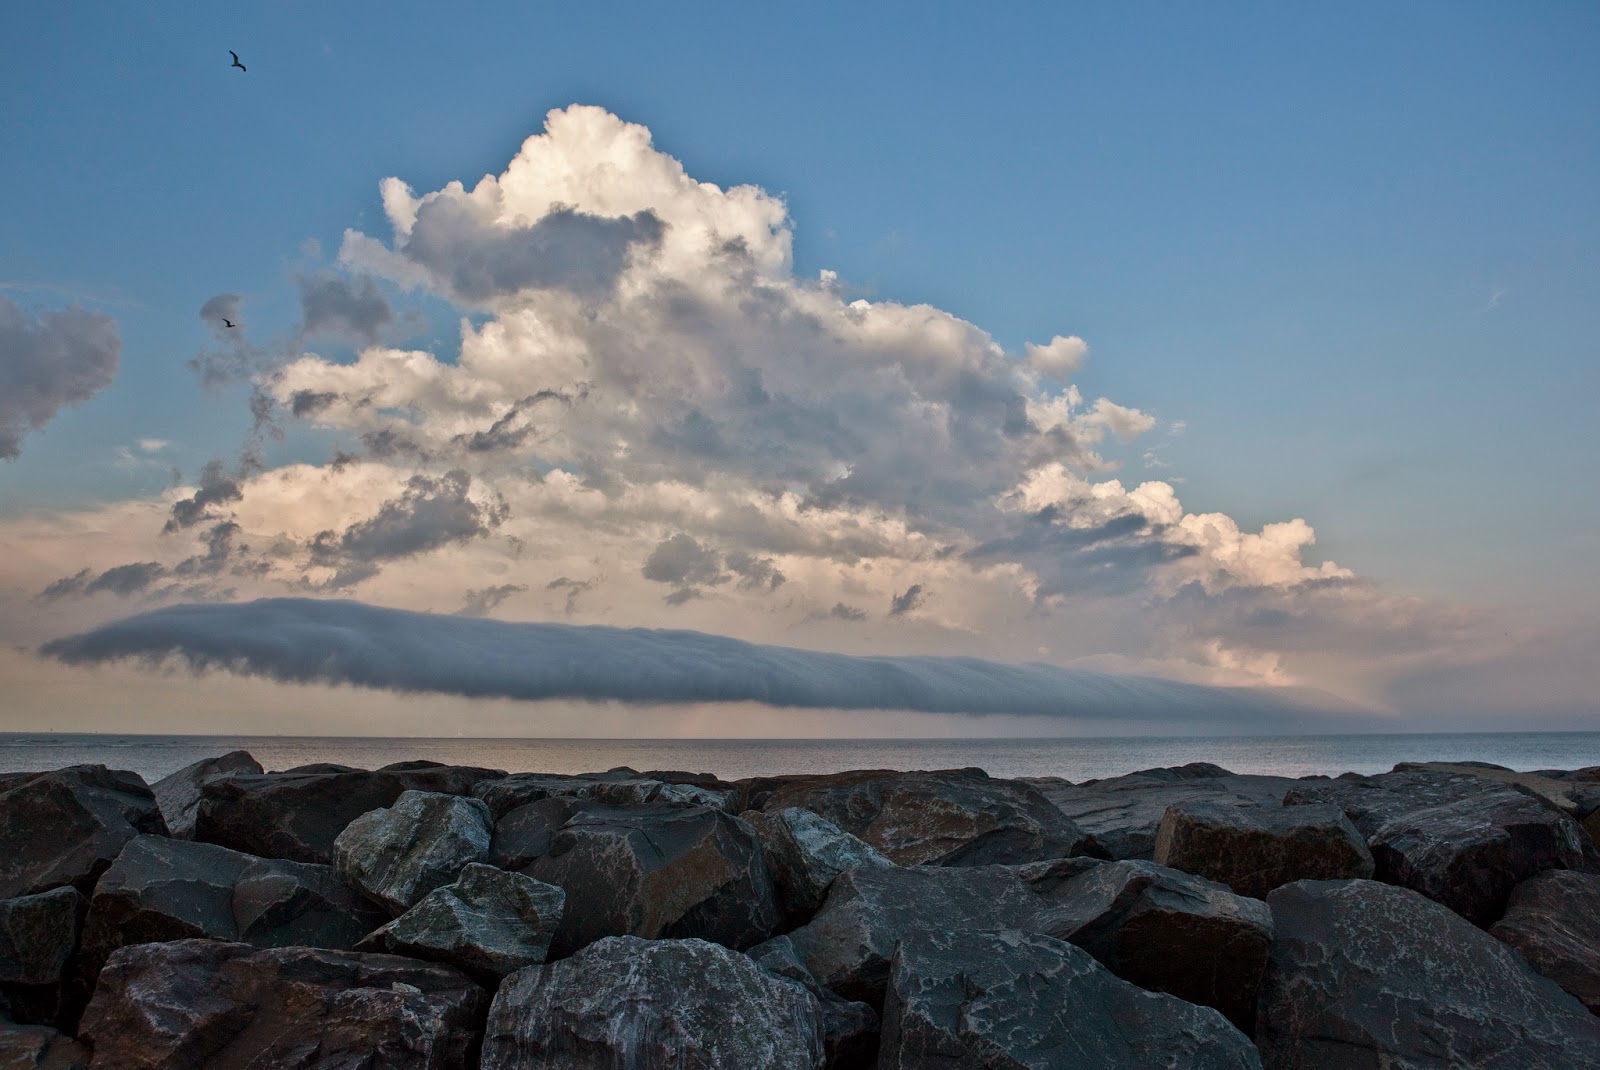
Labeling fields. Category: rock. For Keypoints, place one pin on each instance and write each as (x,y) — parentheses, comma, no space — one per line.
(1457,838)
(37,1047)
(848,945)
(38,934)
(805,853)
(161,889)
(1254,849)
(524,834)
(1123,813)
(947,818)
(299,813)
(622,787)
(488,924)
(662,870)
(65,827)
(1578,798)
(1167,931)
(399,854)
(204,1003)
(1367,975)
(1009,1000)
(849,1029)
(625,1002)
(1553,921)
(178,795)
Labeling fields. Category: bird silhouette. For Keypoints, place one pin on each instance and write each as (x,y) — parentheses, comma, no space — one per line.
(236,63)
(226,322)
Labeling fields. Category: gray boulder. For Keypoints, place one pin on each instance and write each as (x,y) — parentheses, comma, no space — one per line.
(37,1047)
(1576,795)
(805,853)
(947,818)
(849,1028)
(488,924)
(1123,813)
(627,1002)
(179,794)
(204,1003)
(1254,849)
(1167,931)
(1553,921)
(65,827)
(399,854)
(161,889)
(662,870)
(38,934)
(621,787)
(1009,1000)
(1367,975)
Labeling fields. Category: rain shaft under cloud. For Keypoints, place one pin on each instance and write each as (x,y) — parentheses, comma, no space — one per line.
(309,641)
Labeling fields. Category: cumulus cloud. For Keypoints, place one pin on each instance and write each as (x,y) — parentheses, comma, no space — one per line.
(331,303)
(907,600)
(217,487)
(486,599)
(324,641)
(50,360)
(1060,358)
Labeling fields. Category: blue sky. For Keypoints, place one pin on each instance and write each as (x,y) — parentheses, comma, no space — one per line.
(1351,249)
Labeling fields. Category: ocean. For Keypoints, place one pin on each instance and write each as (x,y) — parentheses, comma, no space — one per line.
(153,757)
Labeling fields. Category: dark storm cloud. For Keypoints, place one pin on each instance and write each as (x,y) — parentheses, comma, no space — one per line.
(232,358)
(906,601)
(683,562)
(217,487)
(510,430)
(430,513)
(122,580)
(338,642)
(478,260)
(840,611)
(484,601)
(48,361)
(1110,558)
(310,402)
(754,572)
(335,304)
(573,587)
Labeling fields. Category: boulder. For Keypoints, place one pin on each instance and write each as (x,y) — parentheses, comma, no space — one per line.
(849,1029)
(1009,1000)
(523,834)
(162,889)
(627,1002)
(1457,838)
(65,827)
(848,945)
(662,870)
(299,813)
(1167,931)
(37,1047)
(1576,796)
(1254,849)
(38,934)
(1553,921)
(488,924)
(947,818)
(204,1003)
(622,787)
(399,854)
(805,853)
(179,794)
(1123,813)
(1367,975)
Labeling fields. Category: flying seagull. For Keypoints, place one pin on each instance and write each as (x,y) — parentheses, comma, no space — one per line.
(226,322)
(236,62)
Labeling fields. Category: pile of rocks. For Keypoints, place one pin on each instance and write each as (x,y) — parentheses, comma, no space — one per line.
(433,917)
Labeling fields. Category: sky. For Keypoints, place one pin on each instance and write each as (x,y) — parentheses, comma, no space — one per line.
(1066,368)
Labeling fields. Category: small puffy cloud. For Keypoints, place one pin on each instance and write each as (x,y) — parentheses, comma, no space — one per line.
(906,601)
(50,360)
(485,600)
(331,303)
(217,487)
(429,514)
(840,611)
(1059,359)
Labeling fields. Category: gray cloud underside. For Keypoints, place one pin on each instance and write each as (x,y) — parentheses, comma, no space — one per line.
(295,640)
(48,361)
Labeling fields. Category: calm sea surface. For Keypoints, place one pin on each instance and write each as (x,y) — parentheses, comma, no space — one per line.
(1076,759)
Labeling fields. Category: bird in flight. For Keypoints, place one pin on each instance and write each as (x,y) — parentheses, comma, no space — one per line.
(236,62)
(226,322)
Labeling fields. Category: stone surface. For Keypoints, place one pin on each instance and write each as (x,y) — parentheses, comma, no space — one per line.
(65,827)
(1577,797)
(399,854)
(179,794)
(1167,931)
(629,1003)
(488,924)
(38,934)
(1123,813)
(804,854)
(849,1028)
(37,1047)
(1254,849)
(1009,1000)
(619,787)
(207,1004)
(298,814)
(660,870)
(1367,975)
(1553,921)
(948,818)
(162,889)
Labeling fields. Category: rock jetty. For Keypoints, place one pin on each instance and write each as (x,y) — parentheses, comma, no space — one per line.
(427,917)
